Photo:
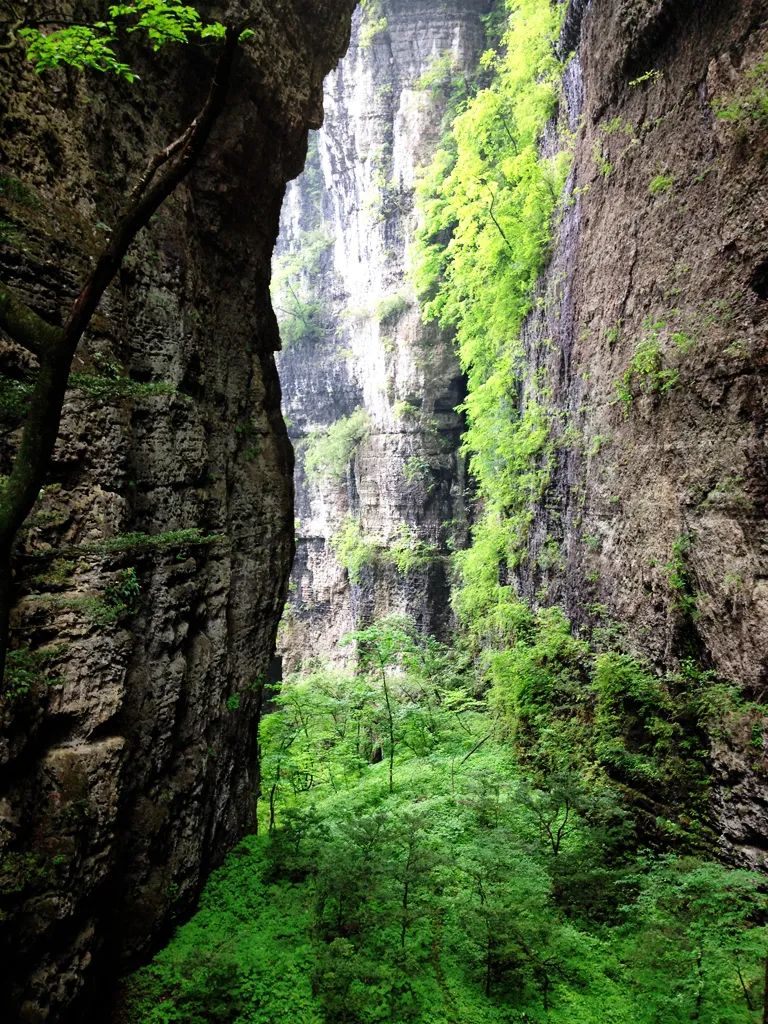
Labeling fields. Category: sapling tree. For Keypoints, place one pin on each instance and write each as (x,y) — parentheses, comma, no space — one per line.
(380,648)
(51,42)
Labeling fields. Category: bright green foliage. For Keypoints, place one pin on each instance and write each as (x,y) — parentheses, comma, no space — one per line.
(247,951)
(679,577)
(647,372)
(605,167)
(353,549)
(107,385)
(300,313)
(191,537)
(121,597)
(374,22)
(27,670)
(690,923)
(92,46)
(408,552)
(661,183)
(609,718)
(488,199)
(329,452)
(751,106)
(465,893)
(390,309)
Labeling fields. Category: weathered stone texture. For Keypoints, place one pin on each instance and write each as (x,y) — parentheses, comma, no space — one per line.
(663,243)
(382,125)
(126,780)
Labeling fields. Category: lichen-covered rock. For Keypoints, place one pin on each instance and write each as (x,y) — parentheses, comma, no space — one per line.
(152,573)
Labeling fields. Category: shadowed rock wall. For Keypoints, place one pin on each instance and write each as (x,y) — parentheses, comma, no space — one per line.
(129,773)
(654,522)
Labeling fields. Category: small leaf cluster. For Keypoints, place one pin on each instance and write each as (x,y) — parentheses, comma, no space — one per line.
(93,46)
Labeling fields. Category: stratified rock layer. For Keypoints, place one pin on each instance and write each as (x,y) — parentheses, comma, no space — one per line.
(128,777)
(403,487)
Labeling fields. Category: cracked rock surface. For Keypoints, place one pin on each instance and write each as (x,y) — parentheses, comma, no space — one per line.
(128,773)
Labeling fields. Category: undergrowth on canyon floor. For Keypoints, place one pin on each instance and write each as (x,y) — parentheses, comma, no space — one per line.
(429,856)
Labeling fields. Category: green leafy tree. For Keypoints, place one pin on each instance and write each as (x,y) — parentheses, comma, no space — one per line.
(382,647)
(93,47)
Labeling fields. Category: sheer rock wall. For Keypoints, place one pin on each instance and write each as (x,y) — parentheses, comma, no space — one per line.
(653,526)
(657,505)
(127,776)
(404,485)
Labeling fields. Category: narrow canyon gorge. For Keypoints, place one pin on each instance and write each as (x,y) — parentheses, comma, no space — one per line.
(403,548)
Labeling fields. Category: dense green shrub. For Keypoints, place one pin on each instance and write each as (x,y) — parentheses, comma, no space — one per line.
(409,871)
(329,451)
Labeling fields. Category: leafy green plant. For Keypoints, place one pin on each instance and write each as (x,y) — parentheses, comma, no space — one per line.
(407,552)
(390,309)
(190,537)
(646,372)
(374,24)
(121,596)
(26,671)
(750,106)
(92,46)
(14,399)
(417,469)
(679,577)
(329,452)
(301,314)
(604,166)
(353,549)
(661,183)
(118,386)
(649,76)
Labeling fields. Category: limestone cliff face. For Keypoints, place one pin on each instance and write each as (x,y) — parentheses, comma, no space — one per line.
(650,337)
(354,343)
(152,575)
(655,298)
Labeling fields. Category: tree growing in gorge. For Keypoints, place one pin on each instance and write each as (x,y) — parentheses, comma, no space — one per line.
(49,42)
